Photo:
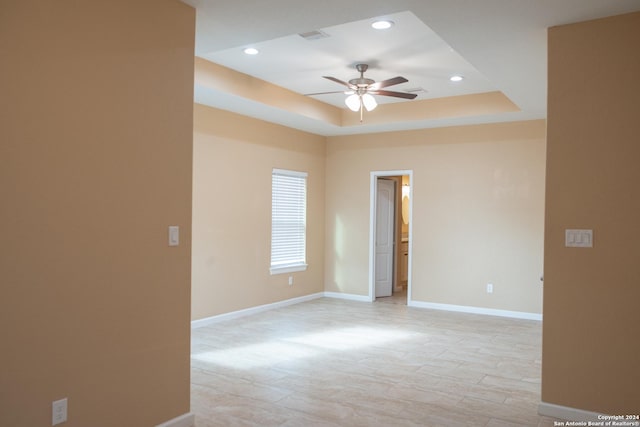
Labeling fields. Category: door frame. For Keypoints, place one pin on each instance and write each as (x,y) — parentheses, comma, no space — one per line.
(386,203)
(372,227)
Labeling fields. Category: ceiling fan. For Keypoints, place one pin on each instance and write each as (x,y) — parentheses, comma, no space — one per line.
(362,89)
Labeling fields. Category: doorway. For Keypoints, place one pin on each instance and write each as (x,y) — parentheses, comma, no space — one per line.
(390,240)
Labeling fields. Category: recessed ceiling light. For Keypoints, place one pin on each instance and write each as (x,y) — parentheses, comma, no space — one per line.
(456,78)
(251,51)
(382,25)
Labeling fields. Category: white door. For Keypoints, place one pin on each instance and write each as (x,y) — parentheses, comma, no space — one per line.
(385,203)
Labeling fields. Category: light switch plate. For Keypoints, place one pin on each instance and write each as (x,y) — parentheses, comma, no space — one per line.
(59,412)
(174,235)
(578,238)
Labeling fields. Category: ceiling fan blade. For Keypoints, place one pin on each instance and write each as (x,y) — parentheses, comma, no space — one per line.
(324,93)
(404,95)
(333,79)
(388,82)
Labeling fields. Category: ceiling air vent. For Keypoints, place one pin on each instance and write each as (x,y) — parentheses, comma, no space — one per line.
(314,35)
(416,90)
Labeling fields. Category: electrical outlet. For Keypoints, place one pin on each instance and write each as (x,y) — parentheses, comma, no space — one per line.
(59,411)
(290,280)
(489,288)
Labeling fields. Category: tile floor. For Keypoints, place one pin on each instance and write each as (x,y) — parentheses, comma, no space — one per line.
(330,362)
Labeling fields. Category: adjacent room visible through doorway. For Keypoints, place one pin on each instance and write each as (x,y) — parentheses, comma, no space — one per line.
(390,236)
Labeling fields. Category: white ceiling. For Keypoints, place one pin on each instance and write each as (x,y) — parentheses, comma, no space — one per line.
(496,44)
(409,48)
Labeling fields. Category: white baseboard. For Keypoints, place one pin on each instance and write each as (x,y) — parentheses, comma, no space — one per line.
(476,310)
(566,413)
(186,420)
(252,310)
(362,298)
(350,297)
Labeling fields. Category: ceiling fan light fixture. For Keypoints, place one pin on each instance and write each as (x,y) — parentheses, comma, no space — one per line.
(382,24)
(353,102)
(369,102)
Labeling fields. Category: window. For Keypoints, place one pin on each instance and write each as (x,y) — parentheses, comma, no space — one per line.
(288,221)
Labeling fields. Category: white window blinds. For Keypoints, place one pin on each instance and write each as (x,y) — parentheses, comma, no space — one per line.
(288,221)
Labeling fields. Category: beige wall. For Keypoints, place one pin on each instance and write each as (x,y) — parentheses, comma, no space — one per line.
(478,196)
(95,163)
(233,159)
(591,316)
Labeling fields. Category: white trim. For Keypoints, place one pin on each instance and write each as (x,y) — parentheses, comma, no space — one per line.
(289,172)
(186,420)
(476,310)
(350,297)
(288,269)
(252,310)
(372,228)
(567,413)
(199,323)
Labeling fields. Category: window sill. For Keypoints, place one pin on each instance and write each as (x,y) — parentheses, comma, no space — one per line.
(287,269)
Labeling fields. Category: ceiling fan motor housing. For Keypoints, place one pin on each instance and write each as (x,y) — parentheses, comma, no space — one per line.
(361,81)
